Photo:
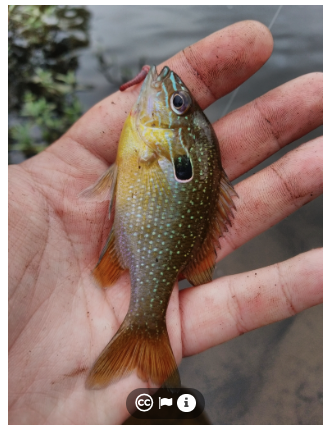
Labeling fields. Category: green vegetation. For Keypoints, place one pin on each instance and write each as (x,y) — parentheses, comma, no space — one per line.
(42,57)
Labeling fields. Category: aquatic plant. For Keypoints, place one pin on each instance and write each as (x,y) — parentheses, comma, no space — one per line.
(43,58)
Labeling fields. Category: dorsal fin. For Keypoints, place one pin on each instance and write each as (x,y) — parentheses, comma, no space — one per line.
(199,269)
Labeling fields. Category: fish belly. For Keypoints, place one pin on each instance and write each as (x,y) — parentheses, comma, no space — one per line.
(159,223)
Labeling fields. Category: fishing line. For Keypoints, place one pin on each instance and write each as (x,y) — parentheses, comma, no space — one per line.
(275,17)
(235,92)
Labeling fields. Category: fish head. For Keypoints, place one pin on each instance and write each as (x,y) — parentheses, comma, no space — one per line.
(163,100)
(163,116)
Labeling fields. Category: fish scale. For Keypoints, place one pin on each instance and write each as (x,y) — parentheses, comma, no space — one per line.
(161,246)
(172,203)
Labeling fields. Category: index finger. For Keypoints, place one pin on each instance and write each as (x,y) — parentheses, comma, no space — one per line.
(210,68)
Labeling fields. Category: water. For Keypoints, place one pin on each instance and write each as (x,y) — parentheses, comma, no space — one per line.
(272,375)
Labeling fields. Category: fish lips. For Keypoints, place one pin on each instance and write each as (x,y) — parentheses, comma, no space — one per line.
(151,84)
(145,90)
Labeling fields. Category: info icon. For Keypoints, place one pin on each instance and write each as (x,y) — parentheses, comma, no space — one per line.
(186,403)
(165,403)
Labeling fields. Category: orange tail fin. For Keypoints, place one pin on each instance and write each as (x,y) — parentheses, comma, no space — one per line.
(132,348)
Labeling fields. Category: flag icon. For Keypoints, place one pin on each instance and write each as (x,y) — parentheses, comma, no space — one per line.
(165,401)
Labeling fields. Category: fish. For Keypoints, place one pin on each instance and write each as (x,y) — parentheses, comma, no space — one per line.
(171,201)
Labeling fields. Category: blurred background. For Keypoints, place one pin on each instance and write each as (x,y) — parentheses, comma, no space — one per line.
(64,59)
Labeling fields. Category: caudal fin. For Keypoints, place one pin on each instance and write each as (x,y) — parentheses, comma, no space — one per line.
(134,349)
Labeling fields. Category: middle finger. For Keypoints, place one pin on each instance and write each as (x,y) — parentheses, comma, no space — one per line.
(252,133)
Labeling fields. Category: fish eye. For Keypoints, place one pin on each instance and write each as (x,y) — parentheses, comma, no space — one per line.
(180,102)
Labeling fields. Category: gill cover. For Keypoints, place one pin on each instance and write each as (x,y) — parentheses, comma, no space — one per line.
(163,112)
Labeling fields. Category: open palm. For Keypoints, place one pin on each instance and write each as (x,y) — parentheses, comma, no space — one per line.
(59,320)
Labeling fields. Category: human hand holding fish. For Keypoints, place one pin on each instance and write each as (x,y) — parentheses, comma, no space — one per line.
(59,321)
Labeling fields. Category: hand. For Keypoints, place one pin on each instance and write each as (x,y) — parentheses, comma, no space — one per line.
(59,321)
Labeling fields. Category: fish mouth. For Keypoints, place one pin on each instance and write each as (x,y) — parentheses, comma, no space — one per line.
(153,80)
(152,83)
(162,76)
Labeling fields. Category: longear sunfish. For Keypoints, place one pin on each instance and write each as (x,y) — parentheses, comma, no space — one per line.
(172,201)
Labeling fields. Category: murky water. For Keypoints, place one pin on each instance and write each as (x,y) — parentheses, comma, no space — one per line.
(272,375)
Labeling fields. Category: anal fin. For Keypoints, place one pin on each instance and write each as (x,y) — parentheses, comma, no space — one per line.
(109,268)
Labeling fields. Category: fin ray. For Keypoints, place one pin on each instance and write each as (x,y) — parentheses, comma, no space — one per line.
(103,189)
(133,349)
(156,185)
(109,267)
(200,268)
